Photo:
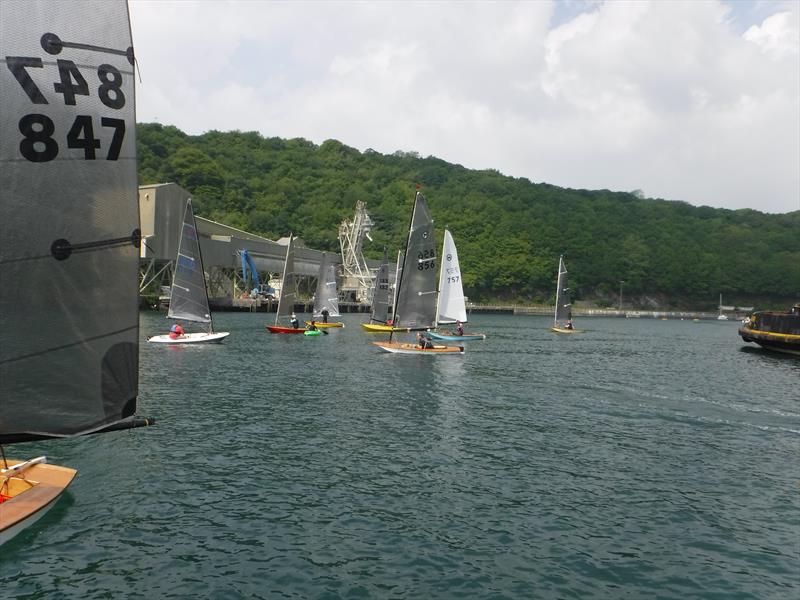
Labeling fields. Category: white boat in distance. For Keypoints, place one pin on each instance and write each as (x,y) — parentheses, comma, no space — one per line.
(189,299)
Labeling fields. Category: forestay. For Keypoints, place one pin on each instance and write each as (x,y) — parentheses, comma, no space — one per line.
(189,298)
(69,219)
(416,297)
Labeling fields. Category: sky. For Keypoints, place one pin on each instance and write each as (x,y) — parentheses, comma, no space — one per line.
(696,101)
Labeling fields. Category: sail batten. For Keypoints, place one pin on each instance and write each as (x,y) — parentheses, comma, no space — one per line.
(69,219)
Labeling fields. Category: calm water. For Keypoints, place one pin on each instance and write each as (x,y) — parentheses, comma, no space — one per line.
(642,459)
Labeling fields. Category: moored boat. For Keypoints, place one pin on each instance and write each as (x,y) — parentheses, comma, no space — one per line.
(774,330)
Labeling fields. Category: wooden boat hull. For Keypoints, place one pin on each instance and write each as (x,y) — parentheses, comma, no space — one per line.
(191,338)
(565,330)
(29,503)
(381,328)
(325,325)
(452,337)
(279,329)
(404,348)
(311,333)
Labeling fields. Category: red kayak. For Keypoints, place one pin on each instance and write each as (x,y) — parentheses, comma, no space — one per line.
(279,329)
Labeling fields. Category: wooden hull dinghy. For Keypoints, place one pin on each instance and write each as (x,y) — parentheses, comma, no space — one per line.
(27,491)
(405,348)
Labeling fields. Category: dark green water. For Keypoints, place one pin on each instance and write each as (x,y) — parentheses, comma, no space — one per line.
(642,459)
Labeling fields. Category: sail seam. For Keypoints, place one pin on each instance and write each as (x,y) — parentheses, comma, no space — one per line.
(70,345)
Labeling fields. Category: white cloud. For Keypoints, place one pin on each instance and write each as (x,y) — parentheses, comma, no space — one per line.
(663,96)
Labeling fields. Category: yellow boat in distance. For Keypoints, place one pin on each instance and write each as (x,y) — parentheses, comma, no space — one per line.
(381,328)
(565,330)
(321,325)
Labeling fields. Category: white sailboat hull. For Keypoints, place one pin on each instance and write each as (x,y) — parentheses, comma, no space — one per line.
(191,338)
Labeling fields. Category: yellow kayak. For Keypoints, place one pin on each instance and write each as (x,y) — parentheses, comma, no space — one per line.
(319,325)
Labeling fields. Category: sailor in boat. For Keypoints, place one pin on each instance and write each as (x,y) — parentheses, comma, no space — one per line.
(459,328)
(294,322)
(176,331)
(325,314)
(569,325)
(312,326)
(423,341)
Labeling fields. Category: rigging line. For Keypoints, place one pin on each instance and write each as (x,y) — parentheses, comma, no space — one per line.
(70,345)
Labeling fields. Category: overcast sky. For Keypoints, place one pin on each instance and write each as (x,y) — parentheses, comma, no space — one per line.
(696,101)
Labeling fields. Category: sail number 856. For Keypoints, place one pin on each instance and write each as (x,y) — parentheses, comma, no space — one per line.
(426,260)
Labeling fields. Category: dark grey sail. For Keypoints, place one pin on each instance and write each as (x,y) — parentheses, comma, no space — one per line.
(287,297)
(69,220)
(326,296)
(563,306)
(189,298)
(380,295)
(416,296)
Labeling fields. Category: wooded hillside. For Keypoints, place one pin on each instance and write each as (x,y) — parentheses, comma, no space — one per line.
(509,231)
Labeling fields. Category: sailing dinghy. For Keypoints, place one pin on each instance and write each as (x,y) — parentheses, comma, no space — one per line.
(415,305)
(189,298)
(451,308)
(287,296)
(379,321)
(326,297)
(69,225)
(562,322)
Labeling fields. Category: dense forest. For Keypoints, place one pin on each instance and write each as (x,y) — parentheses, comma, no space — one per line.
(509,231)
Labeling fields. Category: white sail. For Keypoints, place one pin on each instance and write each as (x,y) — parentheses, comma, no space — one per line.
(287,297)
(69,219)
(326,296)
(452,306)
(563,312)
